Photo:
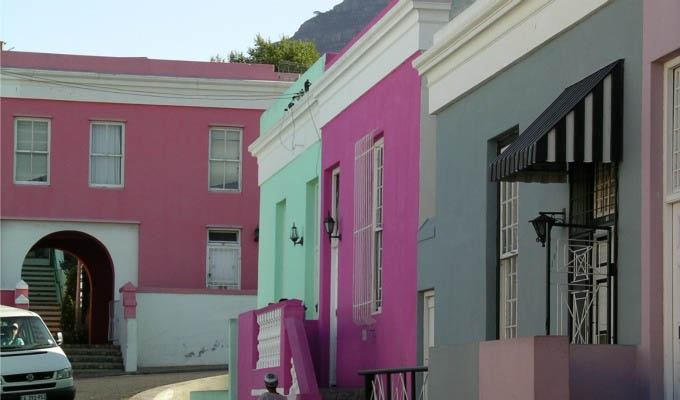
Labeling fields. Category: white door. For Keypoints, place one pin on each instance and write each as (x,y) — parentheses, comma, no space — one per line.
(428,331)
(335,193)
(676,300)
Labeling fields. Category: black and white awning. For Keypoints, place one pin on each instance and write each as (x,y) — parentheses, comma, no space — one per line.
(584,124)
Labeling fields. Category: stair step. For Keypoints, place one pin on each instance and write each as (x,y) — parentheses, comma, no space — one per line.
(92,353)
(97,365)
(103,359)
(341,394)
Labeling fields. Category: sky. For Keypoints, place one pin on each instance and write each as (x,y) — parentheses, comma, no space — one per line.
(169,29)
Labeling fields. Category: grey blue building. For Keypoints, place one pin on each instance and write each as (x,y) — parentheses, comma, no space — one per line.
(537,113)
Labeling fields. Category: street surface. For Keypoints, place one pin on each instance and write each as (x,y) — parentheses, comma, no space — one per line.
(125,386)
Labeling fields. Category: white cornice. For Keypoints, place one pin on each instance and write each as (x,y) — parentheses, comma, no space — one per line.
(490,36)
(138,89)
(404,29)
(289,137)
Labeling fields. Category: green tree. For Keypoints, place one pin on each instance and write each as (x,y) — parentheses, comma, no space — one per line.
(287,55)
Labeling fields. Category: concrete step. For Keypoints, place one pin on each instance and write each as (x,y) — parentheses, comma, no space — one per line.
(341,394)
(97,365)
(101,359)
(97,352)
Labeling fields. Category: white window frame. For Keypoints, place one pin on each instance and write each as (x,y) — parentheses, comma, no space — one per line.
(122,155)
(240,155)
(671,85)
(48,152)
(670,198)
(378,207)
(508,228)
(218,245)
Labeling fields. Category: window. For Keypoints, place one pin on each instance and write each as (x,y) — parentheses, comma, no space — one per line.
(225,159)
(674,108)
(224,259)
(378,163)
(509,197)
(107,144)
(32,151)
(367,288)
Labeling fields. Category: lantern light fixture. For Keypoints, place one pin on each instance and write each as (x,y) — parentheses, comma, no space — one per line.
(329,224)
(294,237)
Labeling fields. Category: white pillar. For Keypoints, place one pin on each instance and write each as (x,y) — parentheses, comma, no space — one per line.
(130,345)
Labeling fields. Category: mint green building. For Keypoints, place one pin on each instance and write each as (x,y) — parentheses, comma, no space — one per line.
(289,158)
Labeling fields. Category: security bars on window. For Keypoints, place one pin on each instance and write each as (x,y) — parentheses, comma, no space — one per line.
(225,159)
(365,234)
(31,151)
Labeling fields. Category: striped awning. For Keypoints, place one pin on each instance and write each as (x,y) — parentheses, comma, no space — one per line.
(583,124)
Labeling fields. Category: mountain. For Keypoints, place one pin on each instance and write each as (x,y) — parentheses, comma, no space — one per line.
(332,30)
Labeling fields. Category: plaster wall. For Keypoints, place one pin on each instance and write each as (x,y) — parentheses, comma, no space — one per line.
(18,236)
(165,189)
(458,251)
(661,42)
(390,108)
(200,338)
(297,280)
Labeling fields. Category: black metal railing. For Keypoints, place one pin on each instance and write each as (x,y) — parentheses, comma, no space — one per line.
(373,376)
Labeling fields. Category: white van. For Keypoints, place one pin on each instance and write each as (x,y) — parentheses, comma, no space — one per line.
(32,365)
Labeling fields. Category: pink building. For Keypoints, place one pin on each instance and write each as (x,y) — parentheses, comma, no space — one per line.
(659,350)
(366,111)
(138,168)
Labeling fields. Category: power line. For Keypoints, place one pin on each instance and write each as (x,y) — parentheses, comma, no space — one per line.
(114,90)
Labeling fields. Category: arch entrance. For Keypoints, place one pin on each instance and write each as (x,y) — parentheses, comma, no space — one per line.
(97,278)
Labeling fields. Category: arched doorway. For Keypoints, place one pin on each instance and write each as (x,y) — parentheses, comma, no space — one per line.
(98,266)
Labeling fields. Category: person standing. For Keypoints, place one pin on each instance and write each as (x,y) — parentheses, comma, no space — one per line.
(271,381)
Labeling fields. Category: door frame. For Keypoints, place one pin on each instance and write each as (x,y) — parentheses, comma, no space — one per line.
(671,375)
(333,336)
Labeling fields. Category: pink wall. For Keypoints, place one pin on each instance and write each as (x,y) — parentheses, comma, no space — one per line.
(7,297)
(527,368)
(391,108)
(661,42)
(166,182)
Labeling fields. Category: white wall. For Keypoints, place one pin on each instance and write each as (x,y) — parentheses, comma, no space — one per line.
(186,329)
(18,236)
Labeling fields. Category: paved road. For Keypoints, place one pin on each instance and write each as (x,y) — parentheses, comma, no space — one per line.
(126,386)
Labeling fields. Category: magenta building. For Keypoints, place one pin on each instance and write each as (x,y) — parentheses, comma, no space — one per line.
(138,168)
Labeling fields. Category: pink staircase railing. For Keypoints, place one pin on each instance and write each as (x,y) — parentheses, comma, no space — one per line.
(273,339)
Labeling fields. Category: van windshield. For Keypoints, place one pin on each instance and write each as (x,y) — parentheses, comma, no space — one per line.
(24,333)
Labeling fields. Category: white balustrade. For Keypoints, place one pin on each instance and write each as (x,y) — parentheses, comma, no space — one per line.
(269,339)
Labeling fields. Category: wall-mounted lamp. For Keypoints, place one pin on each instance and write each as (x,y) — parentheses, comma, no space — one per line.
(542,225)
(329,224)
(294,237)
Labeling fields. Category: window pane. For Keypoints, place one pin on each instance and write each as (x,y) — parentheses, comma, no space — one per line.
(217,175)
(105,170)
(217,145)
(107,139)
(233,150)
(23,167)
(39,168)
(233,135)
(231,175)
(223,236)
(115,138)
(40,135)
(24,135)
